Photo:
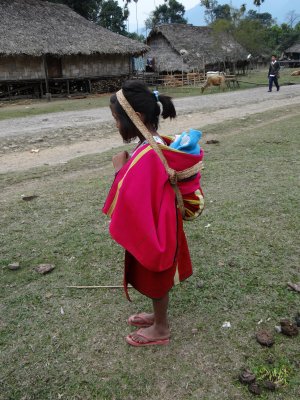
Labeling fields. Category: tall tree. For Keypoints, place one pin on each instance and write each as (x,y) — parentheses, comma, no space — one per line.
(210,5)
(291,17)
(209,13)
(106,13)
(170,12)
(215,11)
(222,12)
(253,36)
(87,8)
(287,36)
(265,18)
(112,17)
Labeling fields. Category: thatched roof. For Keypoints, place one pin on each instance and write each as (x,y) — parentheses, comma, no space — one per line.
(201,43)
(293,49)
(35,27)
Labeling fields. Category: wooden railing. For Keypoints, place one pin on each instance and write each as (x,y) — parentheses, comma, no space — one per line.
(195,79)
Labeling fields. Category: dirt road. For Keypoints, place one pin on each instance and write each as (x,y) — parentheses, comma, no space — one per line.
(58,137)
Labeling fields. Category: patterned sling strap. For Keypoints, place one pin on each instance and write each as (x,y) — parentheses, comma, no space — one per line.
(174,176)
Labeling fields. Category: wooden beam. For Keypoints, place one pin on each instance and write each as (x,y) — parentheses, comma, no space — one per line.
(46,74)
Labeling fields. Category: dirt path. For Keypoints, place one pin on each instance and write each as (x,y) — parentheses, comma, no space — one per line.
(56,138)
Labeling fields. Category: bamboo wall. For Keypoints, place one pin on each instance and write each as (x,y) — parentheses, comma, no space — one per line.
(95,65)
(21,68)
(26,67)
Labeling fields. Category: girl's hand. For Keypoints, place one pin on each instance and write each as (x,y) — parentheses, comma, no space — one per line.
(119,160)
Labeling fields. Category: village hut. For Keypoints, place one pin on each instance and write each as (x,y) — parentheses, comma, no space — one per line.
(292,55)
(46,45)
(186,48)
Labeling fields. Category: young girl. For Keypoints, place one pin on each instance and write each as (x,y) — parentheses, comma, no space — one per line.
(153,189)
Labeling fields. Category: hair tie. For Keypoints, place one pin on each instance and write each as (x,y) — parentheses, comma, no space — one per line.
(156,94)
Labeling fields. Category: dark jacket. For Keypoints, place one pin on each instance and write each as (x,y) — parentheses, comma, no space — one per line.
(274,69)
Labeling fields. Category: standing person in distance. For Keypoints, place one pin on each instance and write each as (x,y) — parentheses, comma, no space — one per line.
(273,74)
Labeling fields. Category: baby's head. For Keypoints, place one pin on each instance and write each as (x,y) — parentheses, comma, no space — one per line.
(145,104)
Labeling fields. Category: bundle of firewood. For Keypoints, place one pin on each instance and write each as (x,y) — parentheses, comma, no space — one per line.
(107,85)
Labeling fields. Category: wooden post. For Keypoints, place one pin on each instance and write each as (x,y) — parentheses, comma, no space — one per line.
(8,89)
(90,86)
(68,87)
(130,69)
(46,78)
(41,89)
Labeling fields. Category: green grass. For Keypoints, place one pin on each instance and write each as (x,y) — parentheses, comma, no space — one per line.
(260,77)
(278,374)
(26,108)
(244,259)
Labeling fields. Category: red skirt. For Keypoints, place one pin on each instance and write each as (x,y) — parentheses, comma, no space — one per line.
(157,284)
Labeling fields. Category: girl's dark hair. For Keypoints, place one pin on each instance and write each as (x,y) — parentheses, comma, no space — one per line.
(142,100)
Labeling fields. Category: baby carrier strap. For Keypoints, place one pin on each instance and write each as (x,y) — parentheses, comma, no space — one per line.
(174,176)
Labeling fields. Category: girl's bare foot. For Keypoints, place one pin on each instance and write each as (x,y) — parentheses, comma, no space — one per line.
(153,335)
(141,320)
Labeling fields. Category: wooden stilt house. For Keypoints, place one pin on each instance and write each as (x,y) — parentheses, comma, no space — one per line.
(292,55)
(47,47)
(183,47)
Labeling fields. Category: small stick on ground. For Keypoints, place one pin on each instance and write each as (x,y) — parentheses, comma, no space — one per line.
(99,287)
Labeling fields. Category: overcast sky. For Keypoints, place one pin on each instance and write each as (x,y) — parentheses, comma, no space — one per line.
(145,7)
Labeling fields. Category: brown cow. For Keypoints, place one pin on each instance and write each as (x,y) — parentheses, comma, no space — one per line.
(214,80)
(296,73)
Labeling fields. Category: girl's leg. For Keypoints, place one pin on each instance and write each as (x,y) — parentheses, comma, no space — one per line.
(160,309)
(160,328)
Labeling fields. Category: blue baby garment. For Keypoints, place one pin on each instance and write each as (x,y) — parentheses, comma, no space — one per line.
(188,142)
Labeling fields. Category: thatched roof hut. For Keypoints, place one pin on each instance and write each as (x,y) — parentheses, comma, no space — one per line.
(181,46)
(36,27)
(294,51)
(40,41)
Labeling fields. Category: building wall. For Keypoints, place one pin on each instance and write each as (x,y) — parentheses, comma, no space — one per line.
(95,65)
(166,58)
(21,67)
(27,67)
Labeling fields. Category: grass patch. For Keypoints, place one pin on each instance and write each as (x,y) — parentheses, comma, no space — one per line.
(279,374)
(29,108)
(244,260)
(260,77)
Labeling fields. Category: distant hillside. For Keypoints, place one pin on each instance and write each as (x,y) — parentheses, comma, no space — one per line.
(278,9)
